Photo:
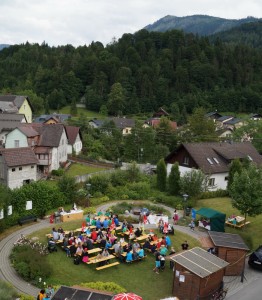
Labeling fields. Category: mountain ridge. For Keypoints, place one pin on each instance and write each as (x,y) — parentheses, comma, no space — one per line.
(197,24)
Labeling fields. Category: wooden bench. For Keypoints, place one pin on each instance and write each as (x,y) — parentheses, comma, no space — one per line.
(237,225)
(27,219)
(108,266)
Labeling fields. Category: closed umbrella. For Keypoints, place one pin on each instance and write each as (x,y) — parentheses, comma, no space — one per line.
(127,296)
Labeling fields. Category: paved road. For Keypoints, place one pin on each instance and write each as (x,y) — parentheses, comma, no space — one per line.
(7,272)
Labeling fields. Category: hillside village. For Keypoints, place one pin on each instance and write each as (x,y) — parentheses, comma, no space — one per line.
(32,150)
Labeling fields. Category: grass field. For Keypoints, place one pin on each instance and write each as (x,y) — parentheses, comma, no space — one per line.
(137,277)
(76,169)
(251,233)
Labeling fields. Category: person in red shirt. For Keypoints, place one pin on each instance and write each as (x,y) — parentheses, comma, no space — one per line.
(94,235)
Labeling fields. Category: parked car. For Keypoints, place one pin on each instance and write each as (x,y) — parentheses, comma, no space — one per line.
(255,259)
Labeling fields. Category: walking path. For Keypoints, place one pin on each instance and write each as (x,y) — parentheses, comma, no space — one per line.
(8,273)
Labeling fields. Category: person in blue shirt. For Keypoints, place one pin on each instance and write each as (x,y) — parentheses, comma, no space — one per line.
(129,256)
(106,223)
(108,244)
(98,224)
(168,241)
(141,253)
(116,221)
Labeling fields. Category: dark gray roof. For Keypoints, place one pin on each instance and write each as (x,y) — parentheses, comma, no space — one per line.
(223,118)
(228,240)
(233,121)
(16,100)
(50,135)
(71,293)
(98,123)
(213,114)
(10,121)
(58,117)
(199,262)
(122,123)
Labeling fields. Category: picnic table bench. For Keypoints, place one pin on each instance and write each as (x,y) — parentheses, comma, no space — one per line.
(141,238)
(94,260)
(108,266)
(95,250)
(241,225)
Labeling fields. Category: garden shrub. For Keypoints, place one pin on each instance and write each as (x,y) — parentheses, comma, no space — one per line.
(7,291)
(121,208)
(26,297)
(99,183)
(104,286)
(89,210)
(129,219)
(100,200)
(141,189)
(213,194)
(29,259)
(59,172)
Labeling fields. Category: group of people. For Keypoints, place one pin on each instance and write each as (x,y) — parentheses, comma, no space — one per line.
(46,294)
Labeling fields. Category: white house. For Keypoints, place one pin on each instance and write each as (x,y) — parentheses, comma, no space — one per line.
(74,139)
(212,158)
(18,166)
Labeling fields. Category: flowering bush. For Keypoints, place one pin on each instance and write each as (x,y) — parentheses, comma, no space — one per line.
(37,246)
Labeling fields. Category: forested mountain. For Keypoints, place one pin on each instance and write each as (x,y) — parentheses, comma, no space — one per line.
(249,34)
(197,24)
(138,73)
(2,46)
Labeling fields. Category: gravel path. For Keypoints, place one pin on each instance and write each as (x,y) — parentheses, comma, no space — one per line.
(8,273)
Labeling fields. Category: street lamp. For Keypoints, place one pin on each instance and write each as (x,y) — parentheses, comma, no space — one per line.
(88,195)
(185,197)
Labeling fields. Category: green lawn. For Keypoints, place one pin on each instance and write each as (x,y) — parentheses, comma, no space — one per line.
(87,113)
(76,169)
(137,277)
(251,233)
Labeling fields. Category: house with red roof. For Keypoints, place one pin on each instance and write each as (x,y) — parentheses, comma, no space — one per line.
(18,166)
(74,139)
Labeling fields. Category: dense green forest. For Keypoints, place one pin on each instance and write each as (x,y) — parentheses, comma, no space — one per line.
(249,34)
(136,74)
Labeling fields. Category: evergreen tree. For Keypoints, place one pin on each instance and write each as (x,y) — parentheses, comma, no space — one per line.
(161,175)
(246,191)
(174,180)
(235,167)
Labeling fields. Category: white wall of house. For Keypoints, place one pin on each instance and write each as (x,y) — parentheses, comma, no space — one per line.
(17,176)
(16,139)
(77,146)
(59,154)
(220,179)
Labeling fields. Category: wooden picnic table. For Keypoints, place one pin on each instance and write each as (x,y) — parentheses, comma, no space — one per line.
(105,258)
(241,225)
(142,237)
(95,250)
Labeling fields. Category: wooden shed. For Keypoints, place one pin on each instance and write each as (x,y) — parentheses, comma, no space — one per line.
(232,249)
(197,274)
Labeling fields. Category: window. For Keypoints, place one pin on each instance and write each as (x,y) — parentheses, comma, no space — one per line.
(210,161)
(32,167)
(226,178)
(9,210)
(211,182)
(13,169)
(216,160)
(28,205)
(20,168)
(186,160)
(16,143)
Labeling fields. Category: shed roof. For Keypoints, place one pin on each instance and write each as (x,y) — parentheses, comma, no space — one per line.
(199,262)
(228,240)
(72,293)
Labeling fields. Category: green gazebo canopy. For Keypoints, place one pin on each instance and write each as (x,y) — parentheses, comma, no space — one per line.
(217,219)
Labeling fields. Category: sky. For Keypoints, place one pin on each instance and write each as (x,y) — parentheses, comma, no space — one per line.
(79,22)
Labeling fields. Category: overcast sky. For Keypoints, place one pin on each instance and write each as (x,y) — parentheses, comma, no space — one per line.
(79,22)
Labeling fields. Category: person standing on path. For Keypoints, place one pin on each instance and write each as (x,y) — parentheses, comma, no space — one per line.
(175,217)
